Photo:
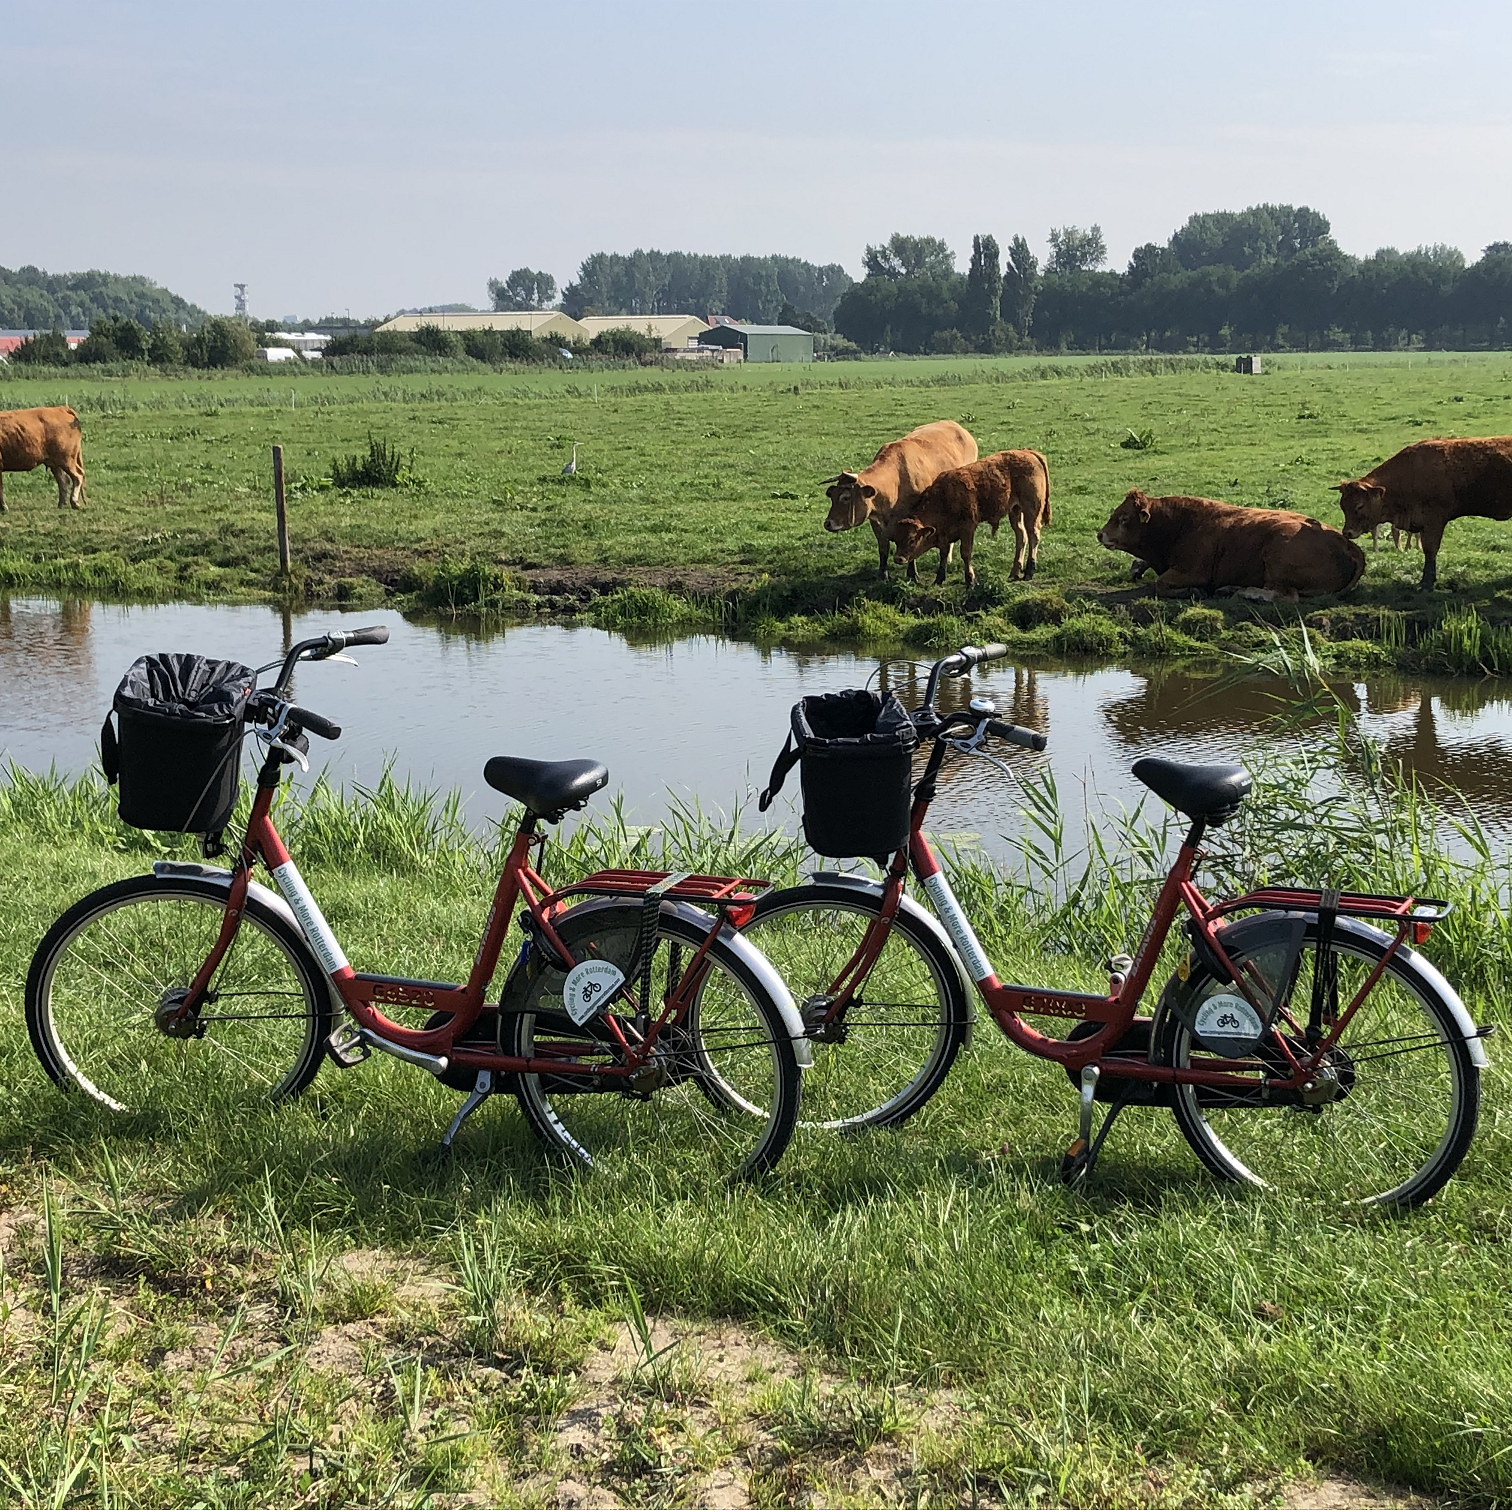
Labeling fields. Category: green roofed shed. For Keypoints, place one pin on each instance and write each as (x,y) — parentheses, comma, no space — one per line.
(763,343)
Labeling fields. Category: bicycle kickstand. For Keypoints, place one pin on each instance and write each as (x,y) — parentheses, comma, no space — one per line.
(482,1090)
(1077,1162)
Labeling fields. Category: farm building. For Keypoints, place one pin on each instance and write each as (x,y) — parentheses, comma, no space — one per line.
(673,331)
(763,343)
(537,322)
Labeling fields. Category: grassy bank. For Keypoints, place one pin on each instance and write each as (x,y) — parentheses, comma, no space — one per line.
(697,496)
(306,1305)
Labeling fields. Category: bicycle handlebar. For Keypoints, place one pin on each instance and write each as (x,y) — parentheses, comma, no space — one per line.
(315,723)
(369,635)
(1031,740)
(957,663)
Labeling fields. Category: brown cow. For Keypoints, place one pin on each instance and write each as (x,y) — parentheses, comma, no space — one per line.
(1428,484)
(34,437)
(1008,485)
(896,476)
(1204,544)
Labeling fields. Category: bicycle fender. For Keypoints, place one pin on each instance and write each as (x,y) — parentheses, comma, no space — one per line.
(926,921)
(751,958)
(1261,930)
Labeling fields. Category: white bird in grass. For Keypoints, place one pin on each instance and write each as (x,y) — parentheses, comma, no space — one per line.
(570,471)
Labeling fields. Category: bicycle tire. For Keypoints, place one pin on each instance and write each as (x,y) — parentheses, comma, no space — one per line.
(885,1069)
(111,960)
(727,1100)
(1406,1092)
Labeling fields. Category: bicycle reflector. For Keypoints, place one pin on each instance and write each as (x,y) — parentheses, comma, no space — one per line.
(1421,930)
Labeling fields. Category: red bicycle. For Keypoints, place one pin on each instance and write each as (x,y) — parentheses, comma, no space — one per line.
(633,1017)
(1306,1044)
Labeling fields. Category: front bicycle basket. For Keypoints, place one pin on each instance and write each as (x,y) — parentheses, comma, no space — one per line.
(177,752)
(854,751)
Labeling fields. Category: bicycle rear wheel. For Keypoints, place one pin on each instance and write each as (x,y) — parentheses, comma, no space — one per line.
(902,1030)
(719,1098)
(105,977)
(1396,1101)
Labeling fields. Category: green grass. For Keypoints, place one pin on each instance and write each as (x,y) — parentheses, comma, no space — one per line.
(706,486)
(305,1304)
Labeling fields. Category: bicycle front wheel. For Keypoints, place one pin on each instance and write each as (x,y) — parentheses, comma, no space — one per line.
(719,1095)
(105,979)
(881,1061)
(1394,1106)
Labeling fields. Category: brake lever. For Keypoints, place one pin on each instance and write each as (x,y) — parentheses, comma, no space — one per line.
(341,656)
(290,751)
(972,746)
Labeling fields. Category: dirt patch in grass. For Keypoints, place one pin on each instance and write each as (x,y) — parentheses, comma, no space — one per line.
(1345,1491)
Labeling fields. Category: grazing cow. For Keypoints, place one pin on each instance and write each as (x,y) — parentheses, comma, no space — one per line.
(1008,485)
(896,476)
(1201,545)
(37,437)
(1428,484)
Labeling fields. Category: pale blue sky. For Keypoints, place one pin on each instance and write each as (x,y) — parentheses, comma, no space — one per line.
(370,156)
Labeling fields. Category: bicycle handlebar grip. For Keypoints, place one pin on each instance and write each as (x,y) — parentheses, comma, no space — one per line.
(1031,740)
(972,655)
(369,635)
(307,719)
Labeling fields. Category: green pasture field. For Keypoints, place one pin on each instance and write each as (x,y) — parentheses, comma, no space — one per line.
(305,1305)
(697,494)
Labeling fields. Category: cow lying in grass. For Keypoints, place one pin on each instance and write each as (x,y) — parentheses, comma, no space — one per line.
(1203,545)
(43,437)
(1008,485)
(883,490)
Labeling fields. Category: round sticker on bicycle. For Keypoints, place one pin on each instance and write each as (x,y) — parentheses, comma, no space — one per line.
(1228,1024)
(589,985)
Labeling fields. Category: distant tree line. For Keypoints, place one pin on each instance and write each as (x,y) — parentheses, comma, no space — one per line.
(32,300)
(489,346)
(696,283)
(218,341)
(1267,278)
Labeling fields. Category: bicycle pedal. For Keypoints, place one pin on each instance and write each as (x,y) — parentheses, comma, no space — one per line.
(346,1046)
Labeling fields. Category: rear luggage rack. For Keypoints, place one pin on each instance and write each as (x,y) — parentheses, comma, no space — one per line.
(692,887)
(1355,905)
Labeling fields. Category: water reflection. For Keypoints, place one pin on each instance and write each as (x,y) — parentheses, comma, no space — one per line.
(701,719)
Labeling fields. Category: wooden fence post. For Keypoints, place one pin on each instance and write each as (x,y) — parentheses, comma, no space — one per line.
(283,519)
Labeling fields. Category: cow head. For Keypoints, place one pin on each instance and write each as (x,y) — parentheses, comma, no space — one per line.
(850,502)
(1125,530)
(1364,506)
(912,538)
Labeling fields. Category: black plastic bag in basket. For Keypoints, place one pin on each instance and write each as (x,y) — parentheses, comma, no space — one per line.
(854,751)
(177,752)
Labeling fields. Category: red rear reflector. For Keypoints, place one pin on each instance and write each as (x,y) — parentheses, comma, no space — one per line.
(1420,933)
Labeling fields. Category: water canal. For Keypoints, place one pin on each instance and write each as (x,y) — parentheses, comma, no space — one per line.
(698,720)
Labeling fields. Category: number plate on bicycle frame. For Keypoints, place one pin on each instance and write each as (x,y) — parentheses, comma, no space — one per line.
(589,986)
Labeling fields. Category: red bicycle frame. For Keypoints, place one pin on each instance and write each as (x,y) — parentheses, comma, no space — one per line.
(362,993)
(1115,1012)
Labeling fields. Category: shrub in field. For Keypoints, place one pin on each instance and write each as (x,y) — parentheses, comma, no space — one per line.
(623,342)
(1463,642)
(501,346)
(221,342)
(114,339)
(165,344)
(1040,607)
(646,608)
(1138,441)
(1200,623)
(383,467)
(473,586)
(1088,634)
(436,342)
(45,349)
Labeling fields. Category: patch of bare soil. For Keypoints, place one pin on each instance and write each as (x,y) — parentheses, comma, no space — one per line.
(565,587)
(1344,1491)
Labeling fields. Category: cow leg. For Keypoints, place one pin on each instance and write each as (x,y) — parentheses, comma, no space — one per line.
(77,498)
(1429,538)
(2,491)
(1020,546)
(1375,536)
(884,546)
(62,479)
(1031,529)
(968,544)
(1173,583)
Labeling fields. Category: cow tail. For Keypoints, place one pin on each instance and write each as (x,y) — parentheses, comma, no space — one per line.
(1045,468)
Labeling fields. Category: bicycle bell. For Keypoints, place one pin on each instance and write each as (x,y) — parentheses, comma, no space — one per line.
(985,707)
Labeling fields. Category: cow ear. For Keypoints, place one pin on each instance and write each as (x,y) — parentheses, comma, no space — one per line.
(1144,511)
(1338,487)
(867,491)
(1376,491)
